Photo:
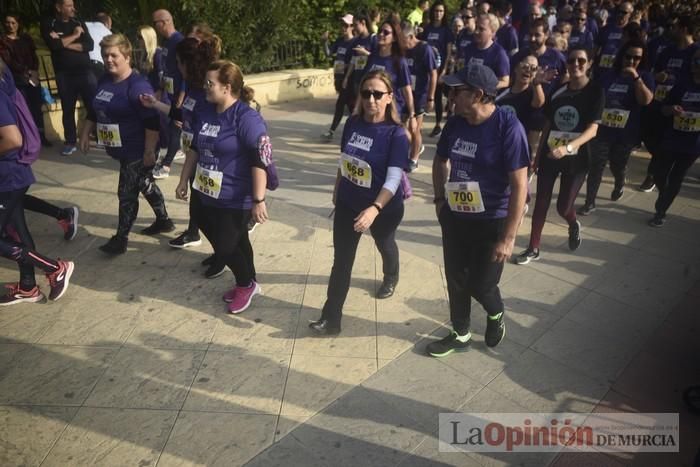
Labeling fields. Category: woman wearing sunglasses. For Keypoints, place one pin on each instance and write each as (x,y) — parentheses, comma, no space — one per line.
(367,194)
(229,157)
(572,113)
(129,132)
(681,142)
(628,89)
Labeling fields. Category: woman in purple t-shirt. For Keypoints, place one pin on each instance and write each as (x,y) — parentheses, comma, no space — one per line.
(368,193)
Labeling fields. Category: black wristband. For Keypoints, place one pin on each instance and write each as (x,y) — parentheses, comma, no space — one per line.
(438,199)
(637,78)
(378,206)
(258,201)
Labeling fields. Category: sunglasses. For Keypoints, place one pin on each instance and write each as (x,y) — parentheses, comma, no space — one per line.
(573,61)
(526,67)
(385,32)
(633,58)
(366,94)
(468,17)
(580,20)
(626,12)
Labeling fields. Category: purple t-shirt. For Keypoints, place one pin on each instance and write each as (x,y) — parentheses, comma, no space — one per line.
(581,39)
(227,144)
(493,57)
(683,135)
(464,40)
(359,61)
(485,153)
(439,37)
(342,50)
(421,61)
(13,175)
(621,120)
(120,115)
(507,37)
(609,40)
(194,104)
(400,77)
(169,66)
(381,145)
(676,63)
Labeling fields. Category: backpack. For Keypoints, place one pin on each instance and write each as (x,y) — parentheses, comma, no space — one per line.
(31,141)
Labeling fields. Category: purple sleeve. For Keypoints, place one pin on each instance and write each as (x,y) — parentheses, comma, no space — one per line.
(254,139)
(399,149)
(501,64)
(403,74)
(442,151)
(648,80)
(138,87)
(516,154)
(430,63)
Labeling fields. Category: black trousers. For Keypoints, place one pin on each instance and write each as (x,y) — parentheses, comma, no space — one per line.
(134,178)
(345,241)
(618,153)
(227,230)
(70,87)
(467,247)
(16,243)
(344,101)
(32,203)
(668,177)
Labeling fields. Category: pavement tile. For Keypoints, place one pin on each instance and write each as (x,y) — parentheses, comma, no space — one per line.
(27,322)
(427,454)
(289,451)
(258,330)
(27,433)
(543,290)
(398,332)
(357,339)
(147,378)
(217,439)
(240,382)
(50,375)
(112,437)
(283,256)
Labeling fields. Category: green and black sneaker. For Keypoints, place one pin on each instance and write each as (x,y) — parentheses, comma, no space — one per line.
(452,343)
(495,330)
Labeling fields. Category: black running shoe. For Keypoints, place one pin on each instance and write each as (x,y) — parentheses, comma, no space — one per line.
(436,131)
(208,261)
(159,226)
(657,221)
(495,330)
(115,246)
(575,236)
(185,240)
(215,270)
(647,185)
(447,345)
(617,193)
(586,209)
(531,254)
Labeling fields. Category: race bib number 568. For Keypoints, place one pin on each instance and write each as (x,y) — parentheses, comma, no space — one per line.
(356,171)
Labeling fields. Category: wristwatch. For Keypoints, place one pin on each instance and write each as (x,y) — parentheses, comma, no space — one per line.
(569,149)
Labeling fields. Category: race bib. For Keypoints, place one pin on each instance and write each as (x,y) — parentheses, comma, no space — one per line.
(464,197)
(413,82)
(687,121)
(208,182)
(186,140)
(561,138)
(339,67)
(662,91)
(108,135)
(607,60)
(356,171)
(615,118)
(360,62)
(168,85)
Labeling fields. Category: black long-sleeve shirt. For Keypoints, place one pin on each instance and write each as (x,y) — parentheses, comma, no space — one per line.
(64,59)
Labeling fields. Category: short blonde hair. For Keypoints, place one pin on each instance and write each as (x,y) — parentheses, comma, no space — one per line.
(119,41)
(493,21)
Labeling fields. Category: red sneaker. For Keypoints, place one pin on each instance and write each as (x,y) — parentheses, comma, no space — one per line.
(59,279)
(16,295)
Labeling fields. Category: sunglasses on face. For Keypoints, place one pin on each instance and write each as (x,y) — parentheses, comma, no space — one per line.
(530,68)
(580,20)
(366,94)
(385,32)
(633,58)
(574,60)
(468,17)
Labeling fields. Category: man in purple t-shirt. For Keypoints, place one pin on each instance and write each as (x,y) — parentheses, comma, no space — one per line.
(480,183)
(484,51)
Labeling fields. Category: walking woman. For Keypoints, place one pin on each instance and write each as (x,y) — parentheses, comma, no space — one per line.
(681,142)
(129,132)
(228,159)
(16,242)
(571,113)
(439,35)
(367,194)
(341,51)
(628,88)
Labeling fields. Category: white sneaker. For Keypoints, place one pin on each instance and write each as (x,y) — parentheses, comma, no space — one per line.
(161,172)
(179,155)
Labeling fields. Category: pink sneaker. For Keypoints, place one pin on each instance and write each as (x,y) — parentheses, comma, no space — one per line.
(242,297)
(230,295)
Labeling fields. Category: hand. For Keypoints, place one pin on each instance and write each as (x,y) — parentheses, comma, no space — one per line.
(361,50)
(54,35)
(677,110)
(364,220)
(502,250)
(629,71)
(345,83)
(545,76)
(259,212)
(181,191)
(84,145)
(148,100)
(78,30)
(661,77)
(430,106)
(149,159)
(558,153)
(178,123)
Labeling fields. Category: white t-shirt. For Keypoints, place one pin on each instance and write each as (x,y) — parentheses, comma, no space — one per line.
(97,31)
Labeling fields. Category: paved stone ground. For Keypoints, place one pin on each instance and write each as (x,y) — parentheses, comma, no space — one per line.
(139,364)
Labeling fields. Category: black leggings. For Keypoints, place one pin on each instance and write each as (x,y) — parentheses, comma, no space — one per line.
(134,178)
(32,94)
(343,101)
(439,92)
(228,230)
(34,204)
(17,243)
(345,241)
(568,189)
(618,153)
(668,177)
(470,272)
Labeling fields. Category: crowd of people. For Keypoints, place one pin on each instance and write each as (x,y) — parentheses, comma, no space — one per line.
(518,89)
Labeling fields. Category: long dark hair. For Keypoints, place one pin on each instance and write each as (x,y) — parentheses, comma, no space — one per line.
(443,23)
(633,43)
(196,57)
(398,46)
